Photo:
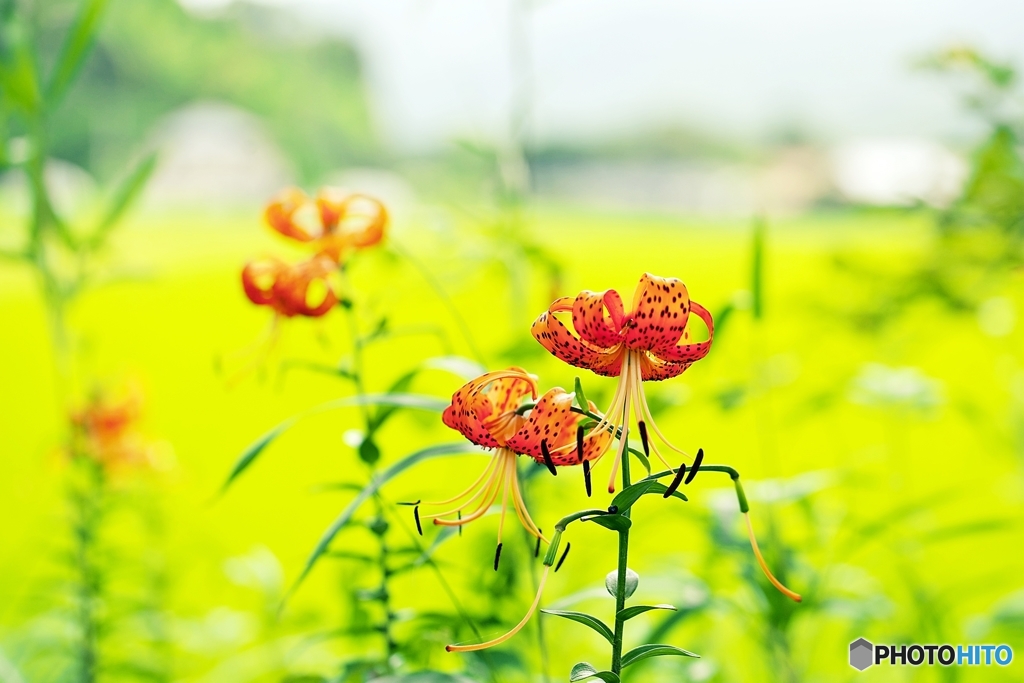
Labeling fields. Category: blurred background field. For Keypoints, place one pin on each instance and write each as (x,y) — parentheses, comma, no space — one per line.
(867,377)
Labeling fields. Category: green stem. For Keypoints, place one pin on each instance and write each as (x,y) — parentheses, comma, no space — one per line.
(385,593)
(88,507)
(620,584)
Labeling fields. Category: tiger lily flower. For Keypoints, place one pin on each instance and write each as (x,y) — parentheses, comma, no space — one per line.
(105,430)
(290,290)
(642,344)
(501,410)
(333,223)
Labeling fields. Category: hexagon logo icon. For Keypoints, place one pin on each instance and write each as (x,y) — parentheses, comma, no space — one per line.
(861,654)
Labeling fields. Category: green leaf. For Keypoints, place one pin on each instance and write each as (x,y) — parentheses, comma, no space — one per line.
(416,401)
(613,522)
(464,368)
(250,453)
(581,398)
(19,79)
(659,489)
(585,619)
(368,451)
(644,651)
(387,475)
(76,46)
(629,495)
(629,612)
(125,196)
(642,458)
(757,269)
(400,386)
(583,671)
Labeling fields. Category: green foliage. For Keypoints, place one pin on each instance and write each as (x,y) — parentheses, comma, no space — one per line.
(638,654)
(584,671)
(587,620)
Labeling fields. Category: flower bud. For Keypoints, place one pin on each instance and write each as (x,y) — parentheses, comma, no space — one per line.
(611,582)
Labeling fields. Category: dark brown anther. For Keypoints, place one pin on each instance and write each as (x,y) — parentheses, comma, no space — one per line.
(586,477)
(497,557)
(676,480)
(562,558)
(696,465)
(579,444)
(416,515)
(643,438)
(547,458)
(536,551)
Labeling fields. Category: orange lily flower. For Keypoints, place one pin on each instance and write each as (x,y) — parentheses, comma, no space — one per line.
(106,432)
(494,411)
(333,223)
(638,345)
(287,289)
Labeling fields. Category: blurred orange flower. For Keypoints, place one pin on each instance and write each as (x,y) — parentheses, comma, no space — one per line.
(500,410)
(638,345)
(333,223)
(106,431)
(300,289)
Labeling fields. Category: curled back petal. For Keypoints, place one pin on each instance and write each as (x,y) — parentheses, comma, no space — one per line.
(591,322)
(477,404)
(689,353)
(292,288)
(258,278)
(660,309)
(282,214)
(350,221)
(554,336)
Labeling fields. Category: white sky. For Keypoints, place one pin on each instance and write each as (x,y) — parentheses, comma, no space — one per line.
(440,69)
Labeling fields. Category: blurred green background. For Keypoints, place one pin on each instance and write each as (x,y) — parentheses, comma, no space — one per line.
(867,376)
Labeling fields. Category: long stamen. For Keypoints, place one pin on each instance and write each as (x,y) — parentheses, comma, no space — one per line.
(516,629)
(490,495)
(504,503)
(643,411)
(472,487)
(624,437)
(480,490)
(764,565)
(520,506)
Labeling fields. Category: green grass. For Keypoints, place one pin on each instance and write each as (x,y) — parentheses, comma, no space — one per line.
(772,399)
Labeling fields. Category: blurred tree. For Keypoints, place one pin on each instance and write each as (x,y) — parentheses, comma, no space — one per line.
(152,56)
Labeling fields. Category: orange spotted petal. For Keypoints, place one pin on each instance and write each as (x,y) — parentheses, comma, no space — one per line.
(689,353)
(554,336)
(350,221)
(550,421)
(591,321)
(491,394)
(660,309)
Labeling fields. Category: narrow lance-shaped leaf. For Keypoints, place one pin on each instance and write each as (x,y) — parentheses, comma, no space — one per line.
(644,651)
(629,612)
(613,522)
(387,475)
(415,401)
(629,495)
(585,619)
(76,46)
(126,195)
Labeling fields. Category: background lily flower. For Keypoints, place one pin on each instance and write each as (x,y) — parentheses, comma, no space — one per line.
(637,345)
(301,289)
(333,223)
(489,411)
(106,430)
